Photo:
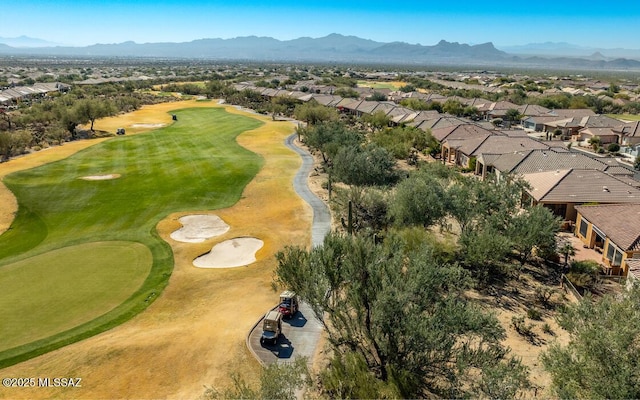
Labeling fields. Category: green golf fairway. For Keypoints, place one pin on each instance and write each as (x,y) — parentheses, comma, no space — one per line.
(194,164)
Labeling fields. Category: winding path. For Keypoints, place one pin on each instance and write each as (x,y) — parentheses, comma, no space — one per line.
(300,335)
(321,218)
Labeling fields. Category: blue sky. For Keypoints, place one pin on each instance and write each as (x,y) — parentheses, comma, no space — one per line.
(611,24)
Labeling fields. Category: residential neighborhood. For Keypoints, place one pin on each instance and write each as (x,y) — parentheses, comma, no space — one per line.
(520,191)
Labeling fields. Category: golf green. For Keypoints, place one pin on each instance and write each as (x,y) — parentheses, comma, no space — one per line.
(194,164)
(64,288)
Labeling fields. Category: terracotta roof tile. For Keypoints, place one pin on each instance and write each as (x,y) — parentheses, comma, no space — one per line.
(620,222)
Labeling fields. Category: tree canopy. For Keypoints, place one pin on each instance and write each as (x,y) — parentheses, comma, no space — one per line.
(602,358)
(403,314)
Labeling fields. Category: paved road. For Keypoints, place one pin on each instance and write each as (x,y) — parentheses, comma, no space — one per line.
(301,333)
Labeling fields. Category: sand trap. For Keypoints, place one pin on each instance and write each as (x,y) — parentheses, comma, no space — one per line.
(148,125)
(231,253)
(198,228)
(100,177)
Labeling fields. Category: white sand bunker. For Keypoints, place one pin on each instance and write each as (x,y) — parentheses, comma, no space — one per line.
(100,177)
(236,252)
(148,125)
(198,228)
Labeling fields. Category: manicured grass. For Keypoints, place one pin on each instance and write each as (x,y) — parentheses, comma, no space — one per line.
(627,117)
(382,85)
(64,288)
(194,164)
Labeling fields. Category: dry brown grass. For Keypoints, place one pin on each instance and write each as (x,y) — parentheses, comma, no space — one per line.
(194,333)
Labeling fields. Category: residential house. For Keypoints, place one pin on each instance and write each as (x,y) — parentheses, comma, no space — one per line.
(458,141)
(464,152)
(628,134)
(614,230)
(562,190)
(443,121)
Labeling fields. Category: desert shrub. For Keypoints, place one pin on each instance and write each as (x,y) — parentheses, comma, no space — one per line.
(544,294)
(519,324)
(534,313)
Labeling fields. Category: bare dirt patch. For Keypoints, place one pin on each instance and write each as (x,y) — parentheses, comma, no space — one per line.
(236,252)
(198,228)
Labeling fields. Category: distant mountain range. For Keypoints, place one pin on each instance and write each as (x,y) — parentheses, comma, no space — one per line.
(348,49)
(563,49)
(25,41)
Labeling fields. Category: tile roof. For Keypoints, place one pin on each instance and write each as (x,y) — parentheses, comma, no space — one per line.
(439,122)
(580,186)
(552,159)
(497,144)
(620,222)
(634,267)
(571,113)
(462,131)
(532,110)
(631,129)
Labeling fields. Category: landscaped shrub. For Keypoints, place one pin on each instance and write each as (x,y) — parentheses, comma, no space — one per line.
(583,274)
(613,147)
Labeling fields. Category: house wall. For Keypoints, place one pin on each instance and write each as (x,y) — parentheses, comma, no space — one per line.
(604,139)
(584,231)
(613,257)
(566,211)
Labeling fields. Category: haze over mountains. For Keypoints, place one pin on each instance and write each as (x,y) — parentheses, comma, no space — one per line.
(340,48)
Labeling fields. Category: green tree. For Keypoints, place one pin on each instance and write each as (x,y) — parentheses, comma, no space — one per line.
(277,381)
(378,120)
(636,163)
(377,96)
(313,113)
(330,137)
(418,200)
(595,142)
(453,107)
(370,165)
(402,313)
(534,228)
(512,115)
(90,109)
(347,93)
(601,360)
(13,143)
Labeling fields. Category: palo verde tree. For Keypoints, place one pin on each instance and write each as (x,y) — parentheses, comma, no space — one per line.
(534,228)
(602,358)
(330,137)
(402,312)
(368,165)
(314,113)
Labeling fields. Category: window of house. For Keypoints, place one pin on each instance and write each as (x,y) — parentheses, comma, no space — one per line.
(617,259)
(583,227)
(611,250)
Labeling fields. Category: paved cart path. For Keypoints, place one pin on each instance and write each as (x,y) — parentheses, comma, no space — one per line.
(300,334)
